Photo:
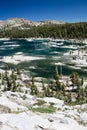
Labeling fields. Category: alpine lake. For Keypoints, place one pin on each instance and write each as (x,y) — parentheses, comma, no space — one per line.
(51,53)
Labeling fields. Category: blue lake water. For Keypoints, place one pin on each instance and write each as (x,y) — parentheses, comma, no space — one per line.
(51,53)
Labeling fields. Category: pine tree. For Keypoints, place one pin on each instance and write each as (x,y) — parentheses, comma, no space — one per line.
(56,77)
(82,81)
(43,86)
(9,84)
(67,83)
(34,90)
(56,74)
(78,91)
(63,90)
(18,71)
(69,98)
(13,75)
(6,70)
(74,78)
(5,87)
(58,85)
(52,85)
(48,93)
(14,88)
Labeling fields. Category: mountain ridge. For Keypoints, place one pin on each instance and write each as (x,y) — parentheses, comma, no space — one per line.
(19,22)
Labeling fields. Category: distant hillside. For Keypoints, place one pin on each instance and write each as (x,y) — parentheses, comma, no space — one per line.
(21,28)
(23,23)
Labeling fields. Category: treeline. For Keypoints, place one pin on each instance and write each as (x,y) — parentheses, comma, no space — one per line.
(71,90)
(66,31)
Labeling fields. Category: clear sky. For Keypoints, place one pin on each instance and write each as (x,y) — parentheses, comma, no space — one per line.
(36,10)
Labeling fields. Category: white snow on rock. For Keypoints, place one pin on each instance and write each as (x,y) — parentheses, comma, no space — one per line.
(23,121)
(32,121)
(57,102)
(11,105)
(20,118)
(83,117)
(64,119)
(16,59)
